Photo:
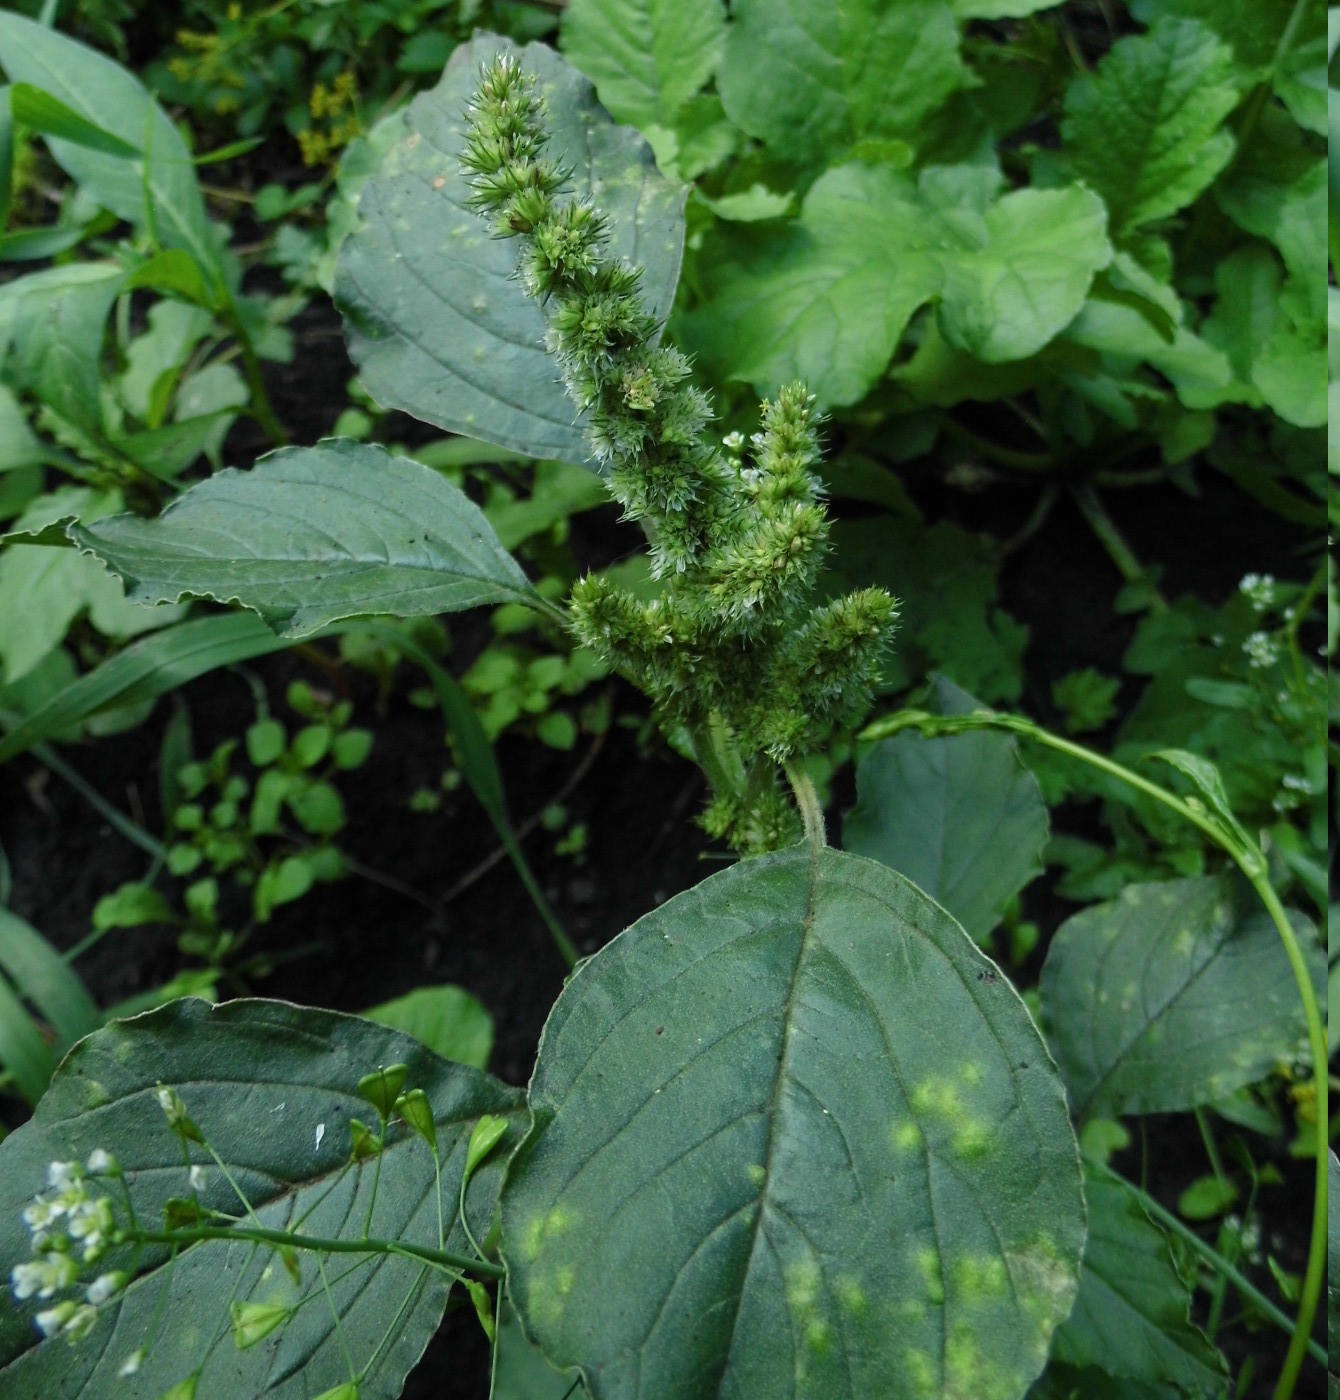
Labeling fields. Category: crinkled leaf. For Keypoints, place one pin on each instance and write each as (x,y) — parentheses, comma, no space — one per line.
(826,299)
(1252,27)
(810,78)
(1170,996)
(438,325)
(1131,1315)
(160,187)
(314,534)
(959,817)
(646,57)
(821,1152)
(1146,128)
(273,1088)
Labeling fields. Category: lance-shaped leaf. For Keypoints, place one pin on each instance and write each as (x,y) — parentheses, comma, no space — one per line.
(272,1087)
(1131,1316)
(959,816)
(1172,995)
(157,189)
(314,534)
(438,325)
(794,1138)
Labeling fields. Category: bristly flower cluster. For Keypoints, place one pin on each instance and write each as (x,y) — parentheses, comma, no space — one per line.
(733,652)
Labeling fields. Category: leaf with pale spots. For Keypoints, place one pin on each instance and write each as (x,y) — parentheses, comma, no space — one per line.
(436,321)
(815,1138)
(1172,995)
(273,1088)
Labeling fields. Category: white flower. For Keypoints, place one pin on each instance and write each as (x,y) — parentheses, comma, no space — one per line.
(53,1319)
(197,1178)
(43,1277)
(131,1364)
(62,1176)
(40,1213)
(105,1286)
(1259,590)
(1261,650)
(102,1163)
(91,1221)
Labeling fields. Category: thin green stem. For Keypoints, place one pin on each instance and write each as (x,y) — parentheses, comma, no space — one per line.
(261,408)
(1212,1257)
(133,832)
(439,1258)
(1114,542)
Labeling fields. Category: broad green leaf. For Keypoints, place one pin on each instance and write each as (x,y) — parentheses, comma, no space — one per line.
(447,1019)
(1131,1315)
(809,78)
(826,298)
(1253,27)
(437,324)
(314,534)
(273,1089)
(51,330)
(159,190)
(42,112)
(1170,996)
(820,1150)
(520,1370)
(1146,128)
(44,978)
(959,817)
(646,57)
(58,585)
(144,670)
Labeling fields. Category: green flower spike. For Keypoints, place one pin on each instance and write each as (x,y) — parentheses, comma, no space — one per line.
(737,659)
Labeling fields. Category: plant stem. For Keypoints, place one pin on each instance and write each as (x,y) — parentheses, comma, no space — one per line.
(133,833)
(1212,1257)
(1252,863)
(807,799)
(261,408)
(1112,540)
(440,1258)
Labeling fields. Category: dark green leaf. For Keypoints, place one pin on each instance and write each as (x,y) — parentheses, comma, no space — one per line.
(958,816)
(314,534)
(1131,1316)
(821,1153)
(273,1089)
(1170,996)
(437,324)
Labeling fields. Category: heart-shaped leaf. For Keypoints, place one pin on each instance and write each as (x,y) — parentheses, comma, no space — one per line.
(273,1088)
(795,1137)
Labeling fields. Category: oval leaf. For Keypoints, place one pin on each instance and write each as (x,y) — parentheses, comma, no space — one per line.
(1170,996)
(314,534)
(436,322)
(960,816)
(794,1137)
(273,1088)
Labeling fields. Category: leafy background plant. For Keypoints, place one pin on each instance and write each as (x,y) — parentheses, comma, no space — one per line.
(990,382)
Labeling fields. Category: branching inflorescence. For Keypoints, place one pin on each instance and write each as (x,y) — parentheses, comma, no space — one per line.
(733,651)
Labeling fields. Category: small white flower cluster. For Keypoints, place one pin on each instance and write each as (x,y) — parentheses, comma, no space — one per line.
(1259,590)
(1262,650)
(71,1224)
